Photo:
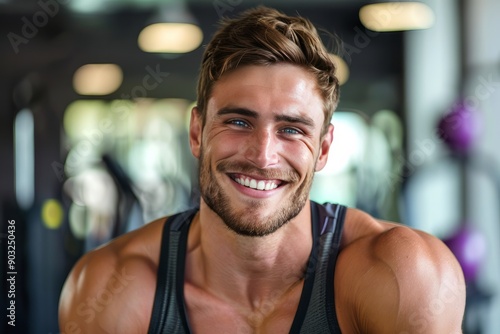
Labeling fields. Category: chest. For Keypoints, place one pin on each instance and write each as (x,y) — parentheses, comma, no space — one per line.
(210,314)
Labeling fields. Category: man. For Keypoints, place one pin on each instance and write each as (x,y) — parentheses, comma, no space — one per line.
(258,256)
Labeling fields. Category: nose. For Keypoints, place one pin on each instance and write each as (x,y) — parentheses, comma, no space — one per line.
(262,149)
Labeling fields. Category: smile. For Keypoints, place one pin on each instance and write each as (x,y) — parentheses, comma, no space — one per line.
(256,184)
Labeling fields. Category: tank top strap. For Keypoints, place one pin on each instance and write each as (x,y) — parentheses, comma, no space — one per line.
(318,310)
(168,316)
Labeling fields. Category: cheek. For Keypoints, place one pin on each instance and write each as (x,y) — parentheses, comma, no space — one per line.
(221,146)
(300,157)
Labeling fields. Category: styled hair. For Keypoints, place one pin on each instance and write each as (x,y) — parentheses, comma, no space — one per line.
(265,36)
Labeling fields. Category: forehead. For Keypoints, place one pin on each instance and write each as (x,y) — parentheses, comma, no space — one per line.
(279,88)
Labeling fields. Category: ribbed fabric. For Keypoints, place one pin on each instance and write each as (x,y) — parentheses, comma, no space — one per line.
(320,316)
(316,310)
(169,314)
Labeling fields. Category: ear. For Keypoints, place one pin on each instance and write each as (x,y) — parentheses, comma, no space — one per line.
(324,148)
(195,130)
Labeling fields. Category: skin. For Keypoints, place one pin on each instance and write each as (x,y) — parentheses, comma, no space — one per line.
(388,278)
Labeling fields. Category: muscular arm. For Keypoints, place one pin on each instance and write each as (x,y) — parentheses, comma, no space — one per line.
(110,290)
(403,281)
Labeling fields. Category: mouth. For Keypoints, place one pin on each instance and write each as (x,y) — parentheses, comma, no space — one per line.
(257,184)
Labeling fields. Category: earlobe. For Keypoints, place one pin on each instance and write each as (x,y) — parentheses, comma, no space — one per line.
(195,130)
(324,148)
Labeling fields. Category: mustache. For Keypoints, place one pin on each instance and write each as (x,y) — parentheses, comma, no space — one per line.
(287,175)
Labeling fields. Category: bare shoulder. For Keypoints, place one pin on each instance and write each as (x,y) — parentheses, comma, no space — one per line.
(114,282)
(397,279)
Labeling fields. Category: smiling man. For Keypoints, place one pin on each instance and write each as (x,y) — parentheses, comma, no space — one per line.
(258,256)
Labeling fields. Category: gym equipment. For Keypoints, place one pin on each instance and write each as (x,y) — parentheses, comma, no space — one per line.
(459,128)
(469,247)
(129,211)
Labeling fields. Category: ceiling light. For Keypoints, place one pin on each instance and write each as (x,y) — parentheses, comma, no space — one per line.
(171,30)
(170,38)
(396,16)
(342,71)
(97,79)
(88,6)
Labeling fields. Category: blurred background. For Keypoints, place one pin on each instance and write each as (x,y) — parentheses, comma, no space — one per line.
(95,99)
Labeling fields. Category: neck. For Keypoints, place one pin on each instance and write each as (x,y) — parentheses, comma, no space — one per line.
(248,269)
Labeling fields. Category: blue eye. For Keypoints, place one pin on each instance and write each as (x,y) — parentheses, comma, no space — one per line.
(291,131)
(238,122)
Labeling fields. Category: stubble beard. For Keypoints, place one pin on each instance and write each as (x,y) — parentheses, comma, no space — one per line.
(248,221)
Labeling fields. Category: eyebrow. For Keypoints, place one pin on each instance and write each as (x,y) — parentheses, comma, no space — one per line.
(305,120)
(239,111)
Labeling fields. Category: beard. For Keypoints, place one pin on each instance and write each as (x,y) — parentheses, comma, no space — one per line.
(249,221)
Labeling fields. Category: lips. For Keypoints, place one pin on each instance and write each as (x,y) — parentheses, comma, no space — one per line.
(257,179)
(257,184)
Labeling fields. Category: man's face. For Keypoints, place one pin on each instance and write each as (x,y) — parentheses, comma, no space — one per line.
(260,146)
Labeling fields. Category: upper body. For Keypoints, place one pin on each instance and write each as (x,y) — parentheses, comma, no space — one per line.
(388,279)
(260,131)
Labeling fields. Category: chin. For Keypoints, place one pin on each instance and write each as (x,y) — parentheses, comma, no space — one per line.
(259,222)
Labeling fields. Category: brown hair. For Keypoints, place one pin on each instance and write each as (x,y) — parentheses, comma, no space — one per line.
(265,36)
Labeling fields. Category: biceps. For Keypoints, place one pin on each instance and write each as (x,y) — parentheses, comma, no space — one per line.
(104,313)
(441,312)
(119,301)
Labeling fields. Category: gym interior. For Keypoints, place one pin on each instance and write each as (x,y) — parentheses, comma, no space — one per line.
(94,116)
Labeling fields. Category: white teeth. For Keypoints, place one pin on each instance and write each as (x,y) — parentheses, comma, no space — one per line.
(254,184)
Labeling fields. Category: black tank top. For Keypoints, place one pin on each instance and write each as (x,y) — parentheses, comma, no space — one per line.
(316,310)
